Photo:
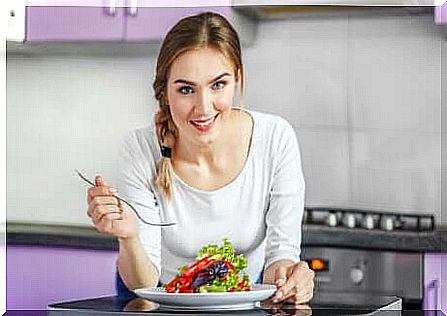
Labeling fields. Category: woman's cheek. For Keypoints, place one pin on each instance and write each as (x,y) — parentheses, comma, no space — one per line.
(225,101)
(180,109)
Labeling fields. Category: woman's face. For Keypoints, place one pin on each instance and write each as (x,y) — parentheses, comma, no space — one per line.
(201,85)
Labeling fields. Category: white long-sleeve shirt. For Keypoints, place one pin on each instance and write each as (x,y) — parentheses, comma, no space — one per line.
(260,211)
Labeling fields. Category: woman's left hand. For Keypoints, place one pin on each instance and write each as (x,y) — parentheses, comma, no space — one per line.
(295,282)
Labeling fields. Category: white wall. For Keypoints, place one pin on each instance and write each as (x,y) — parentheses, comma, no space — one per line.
(65,113)
(364,94)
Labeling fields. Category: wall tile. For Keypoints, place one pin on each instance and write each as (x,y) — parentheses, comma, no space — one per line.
(324,155)
(396,171)
(67,113)
(394,74)
(298,69)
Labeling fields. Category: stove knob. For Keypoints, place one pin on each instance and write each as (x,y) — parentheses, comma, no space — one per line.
(387,223)
(331,219)
(349,220)
(357,275)
(368,222)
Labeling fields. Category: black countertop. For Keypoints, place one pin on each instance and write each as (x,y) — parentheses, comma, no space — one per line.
(324,303)
(313,235)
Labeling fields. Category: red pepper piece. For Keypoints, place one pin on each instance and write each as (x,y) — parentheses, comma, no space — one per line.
(172,286)
(230,266)
(185,290)
(179,284)
(194,269)
(243,285)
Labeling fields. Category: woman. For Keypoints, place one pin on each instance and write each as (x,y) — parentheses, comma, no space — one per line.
(222,172)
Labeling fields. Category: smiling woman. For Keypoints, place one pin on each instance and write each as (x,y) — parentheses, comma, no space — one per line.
(217,170)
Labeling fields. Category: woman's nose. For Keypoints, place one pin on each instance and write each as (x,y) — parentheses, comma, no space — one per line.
(204,103)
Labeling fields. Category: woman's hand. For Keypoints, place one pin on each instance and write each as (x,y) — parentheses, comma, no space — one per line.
(108,214)
(294,281)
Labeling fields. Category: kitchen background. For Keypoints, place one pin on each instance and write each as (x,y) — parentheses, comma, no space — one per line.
(362,87)
(363,92)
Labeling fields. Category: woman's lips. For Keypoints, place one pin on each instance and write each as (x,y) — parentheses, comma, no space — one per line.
(205,124)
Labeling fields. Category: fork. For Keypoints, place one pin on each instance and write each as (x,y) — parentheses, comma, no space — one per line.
(127,203)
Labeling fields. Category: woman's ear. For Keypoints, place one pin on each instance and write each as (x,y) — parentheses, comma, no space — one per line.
(238,76)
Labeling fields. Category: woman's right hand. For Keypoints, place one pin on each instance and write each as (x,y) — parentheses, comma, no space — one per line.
(108,214)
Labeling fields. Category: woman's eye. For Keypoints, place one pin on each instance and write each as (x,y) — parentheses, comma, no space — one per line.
(185,90)
(219,85)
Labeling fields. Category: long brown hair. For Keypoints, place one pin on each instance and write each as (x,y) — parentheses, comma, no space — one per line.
(205,30)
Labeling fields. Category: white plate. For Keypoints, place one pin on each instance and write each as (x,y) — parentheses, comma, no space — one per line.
(208,301)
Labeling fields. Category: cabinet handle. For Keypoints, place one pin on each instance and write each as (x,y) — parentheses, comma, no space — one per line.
(133,7)
(112,7)
(434,287)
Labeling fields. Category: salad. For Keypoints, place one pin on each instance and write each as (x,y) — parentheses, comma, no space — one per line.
(217,269)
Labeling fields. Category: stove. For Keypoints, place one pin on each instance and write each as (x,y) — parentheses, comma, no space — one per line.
(364,271)
(364,219)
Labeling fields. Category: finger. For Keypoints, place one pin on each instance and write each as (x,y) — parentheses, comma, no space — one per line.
(99,181)
(99,220)
(289,288)
(280,279)
(303,296)
(302,299)
(100,200)
(280,276)
(100,191)
(107,222)
(290,296)
(103,210)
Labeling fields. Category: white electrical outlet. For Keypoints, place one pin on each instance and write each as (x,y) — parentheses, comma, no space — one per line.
(16,20)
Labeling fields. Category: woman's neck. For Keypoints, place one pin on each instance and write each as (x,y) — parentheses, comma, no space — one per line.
(207,154)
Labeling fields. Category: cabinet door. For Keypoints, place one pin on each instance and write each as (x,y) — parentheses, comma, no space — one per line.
(435,281)
(39,275)
(151,24)
(441,14)
(74,23)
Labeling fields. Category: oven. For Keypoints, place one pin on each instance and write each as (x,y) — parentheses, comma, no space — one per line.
(368,271)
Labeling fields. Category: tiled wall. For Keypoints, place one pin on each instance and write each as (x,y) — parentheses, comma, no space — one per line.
(364,94)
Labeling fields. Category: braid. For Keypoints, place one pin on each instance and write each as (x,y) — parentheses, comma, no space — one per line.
(166,134)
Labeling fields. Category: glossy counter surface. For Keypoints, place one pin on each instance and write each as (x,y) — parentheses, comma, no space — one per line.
(322,304)
(313,235)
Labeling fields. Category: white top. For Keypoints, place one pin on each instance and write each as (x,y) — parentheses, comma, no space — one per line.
(260,211)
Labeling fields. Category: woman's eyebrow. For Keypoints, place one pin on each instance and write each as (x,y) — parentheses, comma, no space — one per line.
(193,84)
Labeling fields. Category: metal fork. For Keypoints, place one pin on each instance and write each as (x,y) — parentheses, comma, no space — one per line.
(124,201)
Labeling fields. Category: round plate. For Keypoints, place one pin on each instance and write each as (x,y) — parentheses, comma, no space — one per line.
(208,301)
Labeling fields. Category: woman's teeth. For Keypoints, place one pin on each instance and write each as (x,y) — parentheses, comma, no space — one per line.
(204,122)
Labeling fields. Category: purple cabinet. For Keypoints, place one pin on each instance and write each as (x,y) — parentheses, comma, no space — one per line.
(441,14)
(74,21)
(49,24)
(37,276)
(435,281)
(152,24)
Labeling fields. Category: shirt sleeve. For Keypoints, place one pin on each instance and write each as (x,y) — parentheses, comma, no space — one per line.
(134,185)
(286,204)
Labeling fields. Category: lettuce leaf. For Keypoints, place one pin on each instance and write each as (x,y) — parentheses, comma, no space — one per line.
(225,252)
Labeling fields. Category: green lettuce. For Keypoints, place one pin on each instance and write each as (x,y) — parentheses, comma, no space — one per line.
(225,252)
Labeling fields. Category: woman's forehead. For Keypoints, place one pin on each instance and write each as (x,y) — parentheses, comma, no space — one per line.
(200,64)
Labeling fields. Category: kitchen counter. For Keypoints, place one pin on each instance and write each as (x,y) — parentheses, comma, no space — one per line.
(322,304)
(313,235)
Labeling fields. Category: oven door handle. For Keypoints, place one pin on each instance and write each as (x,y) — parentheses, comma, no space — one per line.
(434,288)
